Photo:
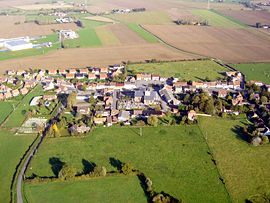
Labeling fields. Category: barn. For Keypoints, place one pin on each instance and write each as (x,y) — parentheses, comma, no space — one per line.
(16,45)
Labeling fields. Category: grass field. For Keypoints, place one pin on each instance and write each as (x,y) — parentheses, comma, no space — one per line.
(41,19)
(215,19)
(255,71)
(5,109)
(17,117)
(87,36)
(106,36)
(148,17)
(245,168)
(186,70)
(142,33)
(175,158)
(11,149)
(122,189)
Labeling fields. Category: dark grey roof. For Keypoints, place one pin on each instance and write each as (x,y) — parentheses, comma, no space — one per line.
(17,42)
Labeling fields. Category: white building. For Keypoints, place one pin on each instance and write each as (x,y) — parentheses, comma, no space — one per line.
(16,44)
(68,34)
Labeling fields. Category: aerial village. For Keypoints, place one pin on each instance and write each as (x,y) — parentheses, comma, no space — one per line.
(112,96)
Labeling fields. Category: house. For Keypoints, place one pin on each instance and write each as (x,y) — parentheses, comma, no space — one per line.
(137,113)
(198,84)
(109,121)
(123,116)
(70,75)
(72,71)
(155,77)
(79,129)
(91,76)
(192,115)
(84,110)
(79,76)
(2,96)
(49,97)
(95,70)
(84,71)
(62,71)
(24,91)
(222,93)
(150,98)
(48,86)
(138,95)
(15,93)
(103,76)
(104,70)
(52,72)
(139,76)
(99,121)
(7,95)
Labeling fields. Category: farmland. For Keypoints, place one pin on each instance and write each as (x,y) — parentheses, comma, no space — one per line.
(245,169)
(160,148)
(106,36)
(117,189)
(186,70)
(151,17)
(214,19)
(142,33)
(226,44)
(255,71)
(5,109)
(248,17)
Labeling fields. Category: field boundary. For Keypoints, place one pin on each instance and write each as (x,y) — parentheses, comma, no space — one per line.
(215,163)
(172,46)
(230,18)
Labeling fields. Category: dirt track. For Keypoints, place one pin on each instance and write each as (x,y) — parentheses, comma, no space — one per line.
(230,45)
(95,56)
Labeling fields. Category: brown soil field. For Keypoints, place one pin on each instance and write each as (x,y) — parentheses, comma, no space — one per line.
(249,17)
(125,35)
(10,3)
(32,7)
(79,57)
(176,13)
(100,18)
(230,45)
(9,29)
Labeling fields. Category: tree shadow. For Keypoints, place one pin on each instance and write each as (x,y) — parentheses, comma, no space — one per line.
(239,134)
(56,165)
(88,166)
(116,163)
(142,180)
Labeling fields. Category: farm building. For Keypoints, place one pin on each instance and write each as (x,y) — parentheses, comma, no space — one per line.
(68,34)
(16,44)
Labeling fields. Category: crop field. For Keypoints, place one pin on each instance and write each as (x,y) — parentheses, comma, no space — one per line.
(245,169)
(149,17)
(31,7)
(41,19)
(156,153)
(142,33)
(186,70)
(100,19)
(14,26)
(19,114)
(101,56)
(255,71)
(106,36)
(229,45)
(214,19)
(107,190)
(248,17)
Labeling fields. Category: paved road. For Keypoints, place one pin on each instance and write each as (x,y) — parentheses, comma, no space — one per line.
(30,156)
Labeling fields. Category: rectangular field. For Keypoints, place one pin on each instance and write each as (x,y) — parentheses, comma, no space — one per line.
(106,190)
(255,71)
(5,109)
(184,70)
(148,17)
(106,36)
(228,44)
(163,153)
(142,33)
(214,19)
(245,168)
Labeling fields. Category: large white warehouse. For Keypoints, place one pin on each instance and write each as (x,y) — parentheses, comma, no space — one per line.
(16,44)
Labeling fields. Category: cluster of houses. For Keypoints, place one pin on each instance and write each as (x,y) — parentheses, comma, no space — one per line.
(139,95)
(128,10)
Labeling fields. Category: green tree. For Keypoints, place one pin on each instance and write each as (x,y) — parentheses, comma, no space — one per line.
(67,172)
(99,171)
(265,139)
(126,169)
(152,120)
(264,99)
(71,99)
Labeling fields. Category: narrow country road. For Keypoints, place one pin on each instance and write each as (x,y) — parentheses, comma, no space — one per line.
(30,156)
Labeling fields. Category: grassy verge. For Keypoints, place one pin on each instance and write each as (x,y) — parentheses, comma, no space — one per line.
(142,33)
